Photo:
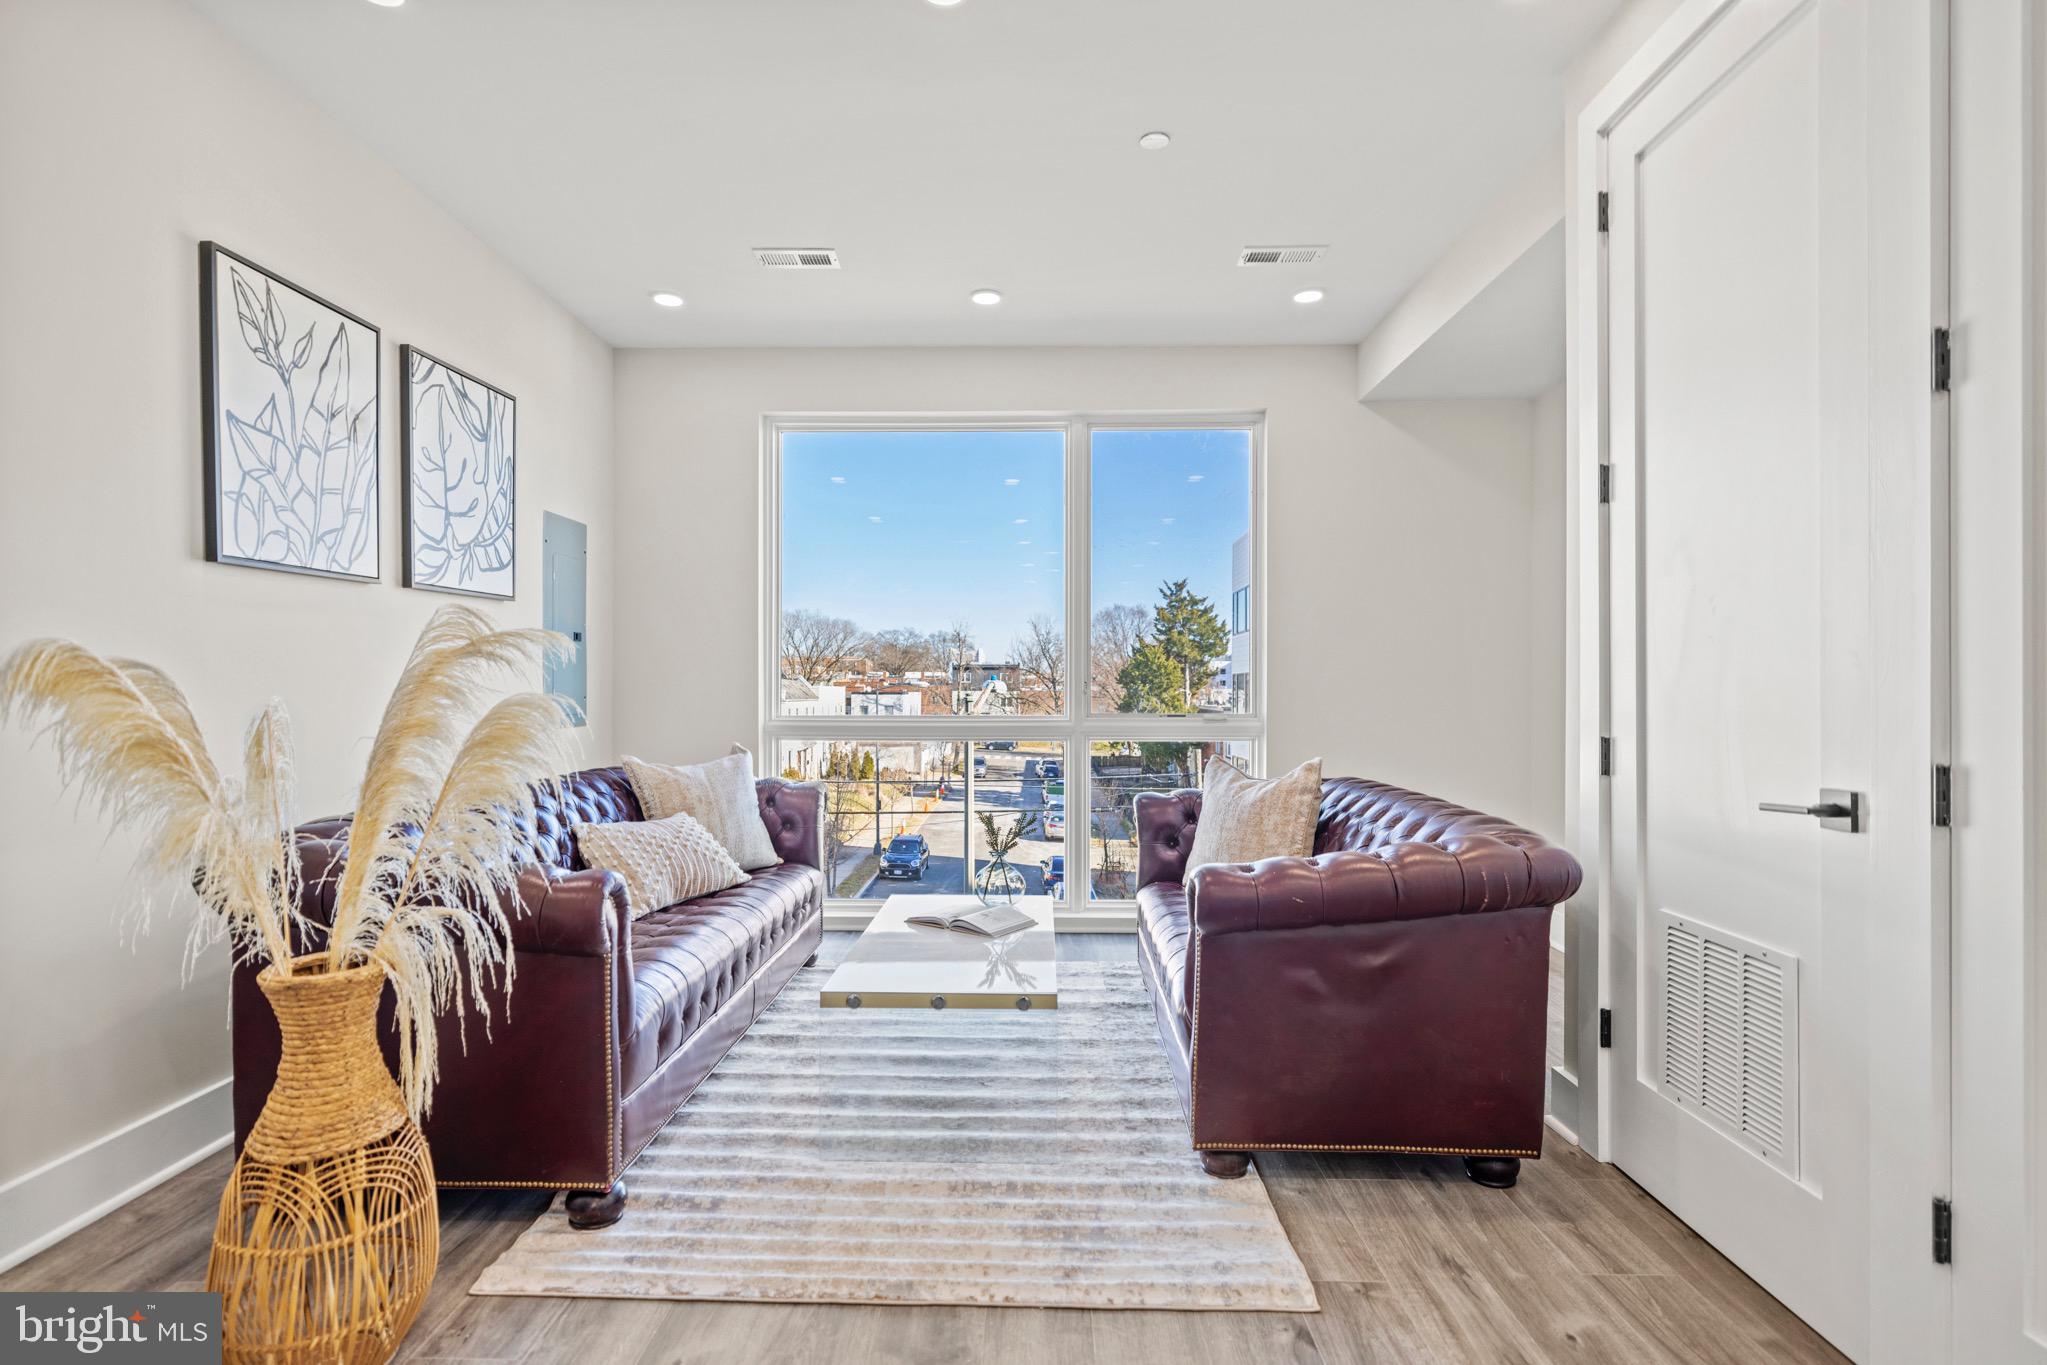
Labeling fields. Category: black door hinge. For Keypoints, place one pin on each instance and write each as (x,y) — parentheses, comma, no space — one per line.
(1606,1028)
(1943,361)
(1606,483)
(1606,756)
(1602,210)
(1943,1232)
(1943,796)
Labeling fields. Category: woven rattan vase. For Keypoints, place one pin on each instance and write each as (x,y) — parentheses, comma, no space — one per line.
(328,1231)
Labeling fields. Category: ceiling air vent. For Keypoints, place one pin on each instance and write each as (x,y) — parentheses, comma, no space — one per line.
(797,257)
(1729,1024)
(1281,255)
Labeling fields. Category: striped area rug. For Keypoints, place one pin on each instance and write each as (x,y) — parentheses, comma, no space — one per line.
(987,1157)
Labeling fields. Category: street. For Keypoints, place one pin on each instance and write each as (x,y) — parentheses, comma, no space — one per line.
(1004,788)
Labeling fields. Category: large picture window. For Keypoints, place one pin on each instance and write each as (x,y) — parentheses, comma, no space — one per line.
(1023,622)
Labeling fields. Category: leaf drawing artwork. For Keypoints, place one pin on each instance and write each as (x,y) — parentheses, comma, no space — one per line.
(291,424)
(461,465)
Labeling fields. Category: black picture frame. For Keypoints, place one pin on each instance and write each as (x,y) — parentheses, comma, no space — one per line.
(486,563)
(278,518)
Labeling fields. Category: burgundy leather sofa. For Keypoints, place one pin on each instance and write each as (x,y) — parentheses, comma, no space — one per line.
(612,1022)
(1387,994)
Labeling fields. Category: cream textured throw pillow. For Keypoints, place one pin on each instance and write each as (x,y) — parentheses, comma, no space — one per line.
(662,861)
(719,794)
(1244,819)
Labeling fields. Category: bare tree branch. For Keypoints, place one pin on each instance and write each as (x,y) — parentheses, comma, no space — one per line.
(1041,665)
(1117,632)
(817,647)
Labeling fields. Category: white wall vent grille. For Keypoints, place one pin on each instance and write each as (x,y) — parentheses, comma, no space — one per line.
(797,257)
(1728,1010)
(1281,255)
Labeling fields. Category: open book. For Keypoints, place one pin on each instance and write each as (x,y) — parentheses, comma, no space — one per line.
(988,921)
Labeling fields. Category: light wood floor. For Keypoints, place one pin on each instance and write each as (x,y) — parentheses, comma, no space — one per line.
(1411,1262)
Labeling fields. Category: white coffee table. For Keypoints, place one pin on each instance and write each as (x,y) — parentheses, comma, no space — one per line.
(898,965)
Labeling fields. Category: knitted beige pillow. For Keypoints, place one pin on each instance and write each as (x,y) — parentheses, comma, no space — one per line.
(720,794)
(1244,819)
(662,861)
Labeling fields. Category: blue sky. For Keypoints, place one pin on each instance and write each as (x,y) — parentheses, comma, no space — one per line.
(922,528)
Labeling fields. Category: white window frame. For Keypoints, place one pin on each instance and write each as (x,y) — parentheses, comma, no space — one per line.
(1078,728)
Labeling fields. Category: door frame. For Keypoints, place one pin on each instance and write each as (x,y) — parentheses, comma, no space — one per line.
(2000,857)
(1908,1024)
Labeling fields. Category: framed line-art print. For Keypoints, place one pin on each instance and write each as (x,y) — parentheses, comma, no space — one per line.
(461,444)
(290,403)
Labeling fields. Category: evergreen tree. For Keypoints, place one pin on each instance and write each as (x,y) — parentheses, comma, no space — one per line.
(867,765)
(1175,654)
(1150,681)
(1186,628)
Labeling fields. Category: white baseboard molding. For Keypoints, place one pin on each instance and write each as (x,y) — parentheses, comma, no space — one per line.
(42,1207)
(1560,1130)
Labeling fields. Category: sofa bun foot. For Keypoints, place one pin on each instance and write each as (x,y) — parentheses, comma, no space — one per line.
(596,1208)
(810,961)
(1493,1172)
(1226,1165)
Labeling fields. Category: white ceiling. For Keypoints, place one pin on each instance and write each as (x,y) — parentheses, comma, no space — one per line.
(610,148)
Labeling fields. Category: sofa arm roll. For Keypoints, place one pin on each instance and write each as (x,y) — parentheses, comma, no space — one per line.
(1469,875)
(571,914)
(794,815)
(1165,834)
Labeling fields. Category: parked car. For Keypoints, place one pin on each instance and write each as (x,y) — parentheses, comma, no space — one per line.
(1055,821)
(994,744)
(1054,872)
(907,857)
(1049,770)
(980,766)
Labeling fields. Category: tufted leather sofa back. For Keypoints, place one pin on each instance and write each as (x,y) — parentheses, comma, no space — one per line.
(1390,824)
(1371,817)
(594,796)
(600,796)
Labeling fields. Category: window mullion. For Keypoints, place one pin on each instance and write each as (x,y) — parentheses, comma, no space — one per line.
(1079,671)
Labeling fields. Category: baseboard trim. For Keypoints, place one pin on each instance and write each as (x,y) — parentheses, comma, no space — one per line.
(42,1207)
(1560,1130)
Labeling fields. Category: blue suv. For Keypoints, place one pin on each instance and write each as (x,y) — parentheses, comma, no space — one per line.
(907,856)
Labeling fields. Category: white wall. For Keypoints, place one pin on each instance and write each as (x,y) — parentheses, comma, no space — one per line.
(129,132)
(1401,546)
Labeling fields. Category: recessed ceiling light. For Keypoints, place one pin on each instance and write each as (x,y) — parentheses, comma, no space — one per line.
(388,4)
(987,298)
(1152,141)
(945,4)
(665,299)
(1308,296)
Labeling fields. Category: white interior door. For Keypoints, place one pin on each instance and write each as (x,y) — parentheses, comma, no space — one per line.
(1743,649)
